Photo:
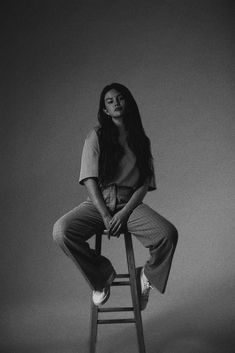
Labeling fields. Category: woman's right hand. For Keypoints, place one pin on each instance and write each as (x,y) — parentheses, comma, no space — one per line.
(107,219)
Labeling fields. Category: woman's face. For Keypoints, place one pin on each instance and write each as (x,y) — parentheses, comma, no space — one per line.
(115,104)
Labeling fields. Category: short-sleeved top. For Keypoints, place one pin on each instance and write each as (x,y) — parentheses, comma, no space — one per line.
(127,174)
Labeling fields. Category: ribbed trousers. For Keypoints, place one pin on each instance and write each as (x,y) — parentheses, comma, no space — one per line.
(72,231)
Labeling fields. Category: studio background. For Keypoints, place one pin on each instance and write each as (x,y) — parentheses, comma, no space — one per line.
(177,59)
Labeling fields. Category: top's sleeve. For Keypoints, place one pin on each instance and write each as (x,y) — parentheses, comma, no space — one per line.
(90,157)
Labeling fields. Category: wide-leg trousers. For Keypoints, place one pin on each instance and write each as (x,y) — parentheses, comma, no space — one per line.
(72,231)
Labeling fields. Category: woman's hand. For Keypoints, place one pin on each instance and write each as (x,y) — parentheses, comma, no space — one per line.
(118,223)
(107,219)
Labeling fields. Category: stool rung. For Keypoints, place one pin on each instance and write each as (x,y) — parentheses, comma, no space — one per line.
(116,321)
(121,283)
(123,275)
(109,310)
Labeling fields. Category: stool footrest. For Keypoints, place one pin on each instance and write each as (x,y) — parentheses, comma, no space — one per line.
(109,310)
(116,321)
(121,283)
(123,275)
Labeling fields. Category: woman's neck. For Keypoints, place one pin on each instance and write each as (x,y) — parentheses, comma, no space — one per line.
(119,124)
(121,129)
(122,135)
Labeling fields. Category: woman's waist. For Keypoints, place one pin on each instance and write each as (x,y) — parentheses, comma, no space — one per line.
(121,192)
(115,196)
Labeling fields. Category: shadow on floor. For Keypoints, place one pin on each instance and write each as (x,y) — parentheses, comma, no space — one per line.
(201,323)
(198,320)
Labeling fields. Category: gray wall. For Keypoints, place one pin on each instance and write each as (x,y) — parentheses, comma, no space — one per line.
(177,59)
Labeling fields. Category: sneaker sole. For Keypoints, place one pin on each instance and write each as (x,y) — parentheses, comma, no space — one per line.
(138,273)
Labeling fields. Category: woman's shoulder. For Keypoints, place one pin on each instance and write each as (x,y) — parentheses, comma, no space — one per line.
(93,133)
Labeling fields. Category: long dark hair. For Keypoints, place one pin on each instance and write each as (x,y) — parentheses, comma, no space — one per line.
(111,151)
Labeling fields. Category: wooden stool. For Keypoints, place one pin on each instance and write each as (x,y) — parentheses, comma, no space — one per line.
(132,282)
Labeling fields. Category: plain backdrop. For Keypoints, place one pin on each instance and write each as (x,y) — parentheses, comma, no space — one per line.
(177,58)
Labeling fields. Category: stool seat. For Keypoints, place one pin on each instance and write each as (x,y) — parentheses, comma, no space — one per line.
(135,308)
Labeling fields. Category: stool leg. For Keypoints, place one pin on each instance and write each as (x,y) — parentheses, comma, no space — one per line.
(94,308)
(93,335)
(134,291)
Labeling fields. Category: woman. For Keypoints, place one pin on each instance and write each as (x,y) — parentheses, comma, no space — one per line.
(117,171)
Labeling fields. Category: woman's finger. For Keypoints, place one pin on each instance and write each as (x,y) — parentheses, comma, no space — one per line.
(113,220)
(114,227)
(113,223)
(117,230)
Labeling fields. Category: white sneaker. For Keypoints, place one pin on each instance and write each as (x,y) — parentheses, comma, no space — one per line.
(99,298)
(145,287)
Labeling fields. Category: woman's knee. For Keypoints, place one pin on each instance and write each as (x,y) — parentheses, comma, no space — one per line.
(172,235)
(58,232)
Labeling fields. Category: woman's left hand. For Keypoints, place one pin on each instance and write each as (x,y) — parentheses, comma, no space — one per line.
(118,222)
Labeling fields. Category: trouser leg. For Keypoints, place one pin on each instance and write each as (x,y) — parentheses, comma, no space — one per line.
(160,236)
(71,233)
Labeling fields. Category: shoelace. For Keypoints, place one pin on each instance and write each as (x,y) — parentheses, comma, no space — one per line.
(147,287)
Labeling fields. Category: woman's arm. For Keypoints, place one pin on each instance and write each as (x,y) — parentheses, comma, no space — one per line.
(120,218)
(136,198)
(96,197)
